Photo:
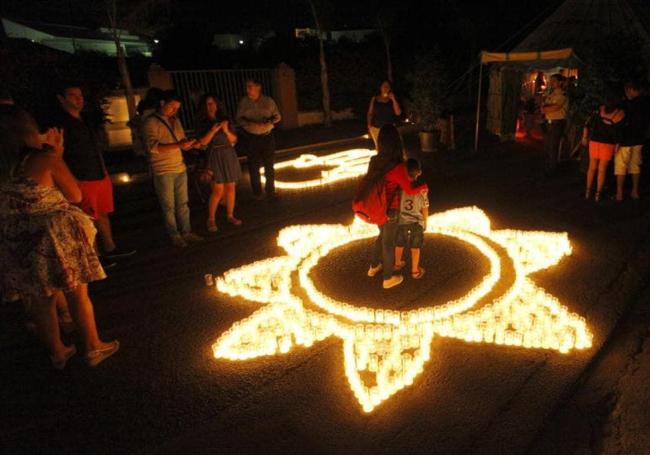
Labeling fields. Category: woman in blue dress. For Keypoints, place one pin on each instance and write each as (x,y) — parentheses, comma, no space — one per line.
(213,129)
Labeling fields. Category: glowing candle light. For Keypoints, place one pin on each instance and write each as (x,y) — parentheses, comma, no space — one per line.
(340,166)
(391,346)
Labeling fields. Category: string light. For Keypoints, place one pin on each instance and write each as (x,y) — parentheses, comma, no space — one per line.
(339,166)
(384,350)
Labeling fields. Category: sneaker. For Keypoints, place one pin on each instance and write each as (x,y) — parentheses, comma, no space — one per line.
(191,237)
(178,241)
(118,253)
(106,263)
(94,358)
(373,271)
(393,281)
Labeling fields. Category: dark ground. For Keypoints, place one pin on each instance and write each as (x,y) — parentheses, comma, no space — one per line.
(165,393)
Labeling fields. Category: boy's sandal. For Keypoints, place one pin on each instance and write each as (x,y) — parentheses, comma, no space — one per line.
(211,226)
(419,274)
(399,266)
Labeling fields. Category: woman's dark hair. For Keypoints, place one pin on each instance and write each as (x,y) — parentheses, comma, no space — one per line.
(15,127)
(202,110)
(390,153)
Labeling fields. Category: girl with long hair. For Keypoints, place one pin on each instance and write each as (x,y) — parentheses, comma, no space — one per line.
(387,169)
(213,127)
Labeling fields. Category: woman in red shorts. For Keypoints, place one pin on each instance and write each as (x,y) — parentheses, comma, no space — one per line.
(605,129)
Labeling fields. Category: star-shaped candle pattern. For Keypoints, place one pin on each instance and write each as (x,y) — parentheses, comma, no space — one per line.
(386,349)
(337,166)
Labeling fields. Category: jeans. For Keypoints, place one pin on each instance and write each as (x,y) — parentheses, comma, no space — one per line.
(554,133)
(172,195)
(260,150)
(384,252)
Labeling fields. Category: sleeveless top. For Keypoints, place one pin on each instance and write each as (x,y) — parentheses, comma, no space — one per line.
(604,130)
(383,113)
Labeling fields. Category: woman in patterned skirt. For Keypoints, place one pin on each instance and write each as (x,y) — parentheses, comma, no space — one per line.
(216,135)
(46,243)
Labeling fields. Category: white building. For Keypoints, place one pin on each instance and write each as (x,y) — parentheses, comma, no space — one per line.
(72,39)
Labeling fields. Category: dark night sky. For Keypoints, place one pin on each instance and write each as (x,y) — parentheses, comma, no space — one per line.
(485,23)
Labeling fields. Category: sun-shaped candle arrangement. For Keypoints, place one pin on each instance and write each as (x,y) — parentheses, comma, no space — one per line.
(335,167)
(385,349)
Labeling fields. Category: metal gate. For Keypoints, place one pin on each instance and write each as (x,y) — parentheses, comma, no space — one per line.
(228,85)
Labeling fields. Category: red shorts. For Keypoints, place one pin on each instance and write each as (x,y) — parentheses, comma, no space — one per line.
(96,196)
(601,151)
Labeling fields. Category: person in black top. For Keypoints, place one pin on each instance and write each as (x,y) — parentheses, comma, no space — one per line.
(628,158)
(83,155)
(605,128)
(384,109)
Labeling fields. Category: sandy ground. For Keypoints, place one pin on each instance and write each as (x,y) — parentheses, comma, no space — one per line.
(165,393)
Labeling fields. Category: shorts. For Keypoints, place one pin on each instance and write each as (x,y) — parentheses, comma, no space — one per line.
(601,151)
(413,232)
(628,160)
(96,196)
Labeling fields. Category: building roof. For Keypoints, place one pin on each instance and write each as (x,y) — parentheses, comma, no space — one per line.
(585,25)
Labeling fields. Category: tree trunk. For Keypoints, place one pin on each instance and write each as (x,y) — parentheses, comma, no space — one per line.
(389,60)
(324,78)
(324,81)
(126,78)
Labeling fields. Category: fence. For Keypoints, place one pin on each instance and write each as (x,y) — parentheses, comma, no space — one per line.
(228,85)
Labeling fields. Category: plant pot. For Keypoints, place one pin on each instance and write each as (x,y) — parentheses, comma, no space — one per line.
(427,141)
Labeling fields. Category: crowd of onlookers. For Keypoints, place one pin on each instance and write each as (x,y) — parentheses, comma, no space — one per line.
(616,131)
(56,197)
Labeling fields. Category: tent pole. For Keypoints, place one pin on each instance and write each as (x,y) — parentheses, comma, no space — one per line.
(478,106)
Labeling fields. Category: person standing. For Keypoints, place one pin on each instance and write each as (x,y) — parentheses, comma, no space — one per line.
(387,171)
(83,155)
(555,108)
(628,158)
(603,141)
(257,114)
(166,141)
(384,109)
(46,243)
(217,136)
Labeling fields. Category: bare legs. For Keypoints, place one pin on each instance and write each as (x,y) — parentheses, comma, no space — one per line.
(230,189)
(620,181)
(43,313)
(415,258)
(226,191)
(103,225)
(600,167)
(213,203)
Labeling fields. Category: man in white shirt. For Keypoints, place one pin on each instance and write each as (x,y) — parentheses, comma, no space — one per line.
(257,115)
(555,108)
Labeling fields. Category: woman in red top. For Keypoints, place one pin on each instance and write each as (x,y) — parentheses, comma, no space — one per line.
(387,168)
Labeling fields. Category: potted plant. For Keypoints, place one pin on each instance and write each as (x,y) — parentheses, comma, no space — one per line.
(428,85)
